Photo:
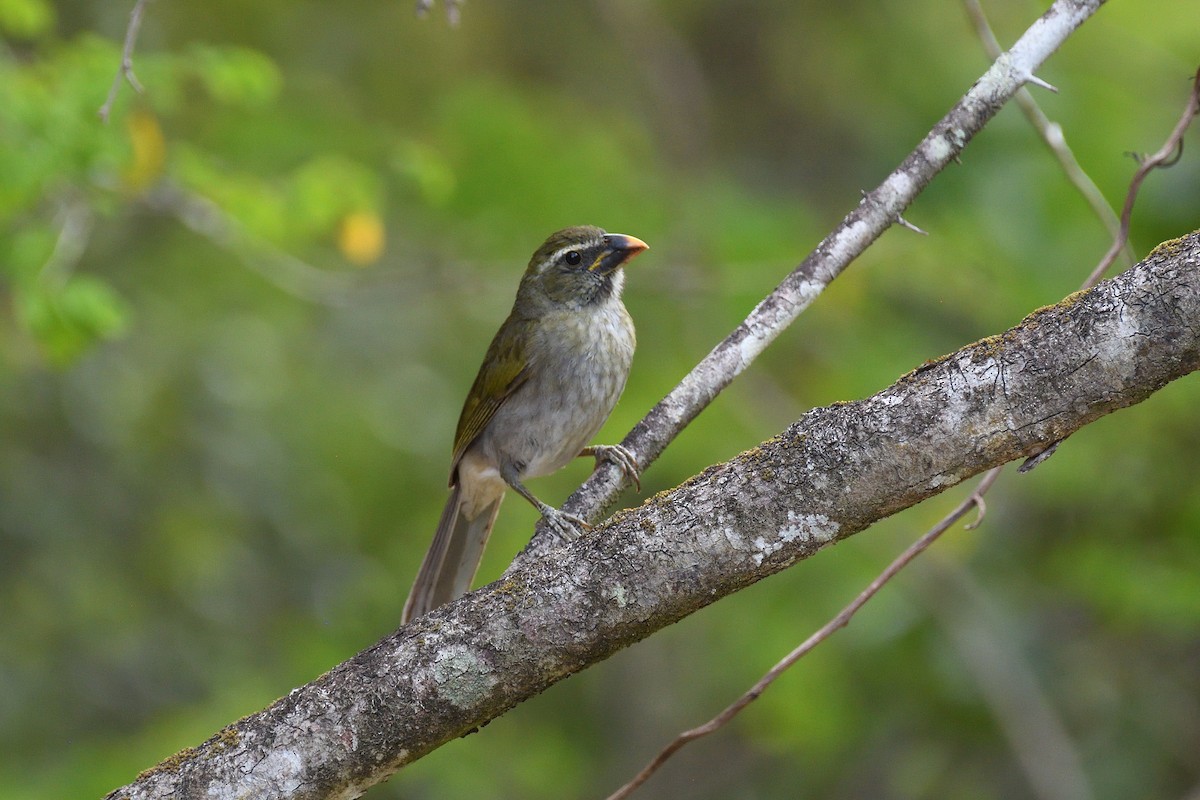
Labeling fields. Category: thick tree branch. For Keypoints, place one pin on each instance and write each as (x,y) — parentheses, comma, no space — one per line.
(878,210)
(831,474)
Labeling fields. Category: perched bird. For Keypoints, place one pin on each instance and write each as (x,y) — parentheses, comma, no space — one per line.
(550,378)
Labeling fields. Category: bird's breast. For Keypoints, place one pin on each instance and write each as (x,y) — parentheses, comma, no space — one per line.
(578,362)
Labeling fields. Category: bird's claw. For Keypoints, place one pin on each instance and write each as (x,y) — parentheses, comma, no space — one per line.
(567,527)
(622,457)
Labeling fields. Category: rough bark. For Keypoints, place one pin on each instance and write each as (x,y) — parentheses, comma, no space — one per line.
(829,475)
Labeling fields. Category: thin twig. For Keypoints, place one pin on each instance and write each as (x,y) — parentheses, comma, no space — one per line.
(1167,156)
(1052,135)
(975,500)
(125,72)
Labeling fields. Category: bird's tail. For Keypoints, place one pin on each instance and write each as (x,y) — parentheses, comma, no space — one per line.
(452,559)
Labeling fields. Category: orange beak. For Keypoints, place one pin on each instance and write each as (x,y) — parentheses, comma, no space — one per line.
(620,249)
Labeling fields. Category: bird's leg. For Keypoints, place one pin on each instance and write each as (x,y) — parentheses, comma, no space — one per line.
(616,454)
(567,526)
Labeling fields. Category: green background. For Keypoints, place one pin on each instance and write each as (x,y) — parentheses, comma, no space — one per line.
(225,414)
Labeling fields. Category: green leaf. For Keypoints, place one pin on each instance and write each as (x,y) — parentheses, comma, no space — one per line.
(327,188)
(237,76)
(68,321)
(26,19)
(27,250)
(427,169)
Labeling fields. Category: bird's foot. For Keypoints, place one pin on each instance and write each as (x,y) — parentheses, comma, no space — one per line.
(566,526)
(621,456)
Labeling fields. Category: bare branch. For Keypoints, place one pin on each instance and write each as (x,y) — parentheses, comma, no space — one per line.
(125,72)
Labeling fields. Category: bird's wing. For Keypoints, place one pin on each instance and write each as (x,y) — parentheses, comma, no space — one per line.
(504,369)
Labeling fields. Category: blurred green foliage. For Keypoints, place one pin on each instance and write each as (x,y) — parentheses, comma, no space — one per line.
(238,320)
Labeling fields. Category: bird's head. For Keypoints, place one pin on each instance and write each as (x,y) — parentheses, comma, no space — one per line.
(578,266)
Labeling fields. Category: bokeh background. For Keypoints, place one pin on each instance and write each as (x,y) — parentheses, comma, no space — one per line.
(237,322)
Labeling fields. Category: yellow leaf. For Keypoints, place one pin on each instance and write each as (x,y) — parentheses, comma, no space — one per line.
(149,150)
(360,237)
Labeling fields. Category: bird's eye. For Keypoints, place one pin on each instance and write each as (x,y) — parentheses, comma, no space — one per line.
(572,257)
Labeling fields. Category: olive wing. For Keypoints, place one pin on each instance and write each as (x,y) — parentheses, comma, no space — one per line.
(504,369)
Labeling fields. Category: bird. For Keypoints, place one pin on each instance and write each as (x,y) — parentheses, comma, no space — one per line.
(550,378)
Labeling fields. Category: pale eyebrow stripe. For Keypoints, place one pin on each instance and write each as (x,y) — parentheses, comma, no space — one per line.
(568,248)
